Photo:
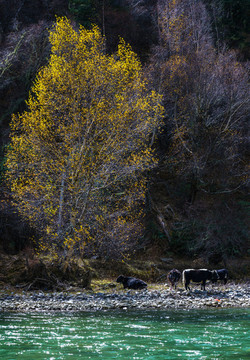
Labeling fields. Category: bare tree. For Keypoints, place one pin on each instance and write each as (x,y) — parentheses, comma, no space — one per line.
(206,98)
(203,171)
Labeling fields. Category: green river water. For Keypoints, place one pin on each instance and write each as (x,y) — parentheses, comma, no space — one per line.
(162,335)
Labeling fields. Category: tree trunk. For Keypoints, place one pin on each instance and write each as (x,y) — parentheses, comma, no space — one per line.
(59,225)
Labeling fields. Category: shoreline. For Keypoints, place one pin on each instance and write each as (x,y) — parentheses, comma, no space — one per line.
(221,296)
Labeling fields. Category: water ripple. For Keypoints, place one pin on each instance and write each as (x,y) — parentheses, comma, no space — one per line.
(150,335)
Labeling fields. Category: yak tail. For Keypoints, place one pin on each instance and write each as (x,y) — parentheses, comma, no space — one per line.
(184,277)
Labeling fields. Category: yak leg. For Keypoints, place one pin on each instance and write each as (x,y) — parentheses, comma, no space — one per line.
(203,284)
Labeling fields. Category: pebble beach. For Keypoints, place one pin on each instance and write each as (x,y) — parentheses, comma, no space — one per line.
(231,295)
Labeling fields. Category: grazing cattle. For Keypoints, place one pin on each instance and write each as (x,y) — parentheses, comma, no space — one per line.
(198,276)
(222,275)
(131,282)
(173,277)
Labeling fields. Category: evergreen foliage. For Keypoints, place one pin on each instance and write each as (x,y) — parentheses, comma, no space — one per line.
(84,11)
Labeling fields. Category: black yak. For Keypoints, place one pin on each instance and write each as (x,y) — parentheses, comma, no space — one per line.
(222,275)
(131,282)
(198,276)
(173,277)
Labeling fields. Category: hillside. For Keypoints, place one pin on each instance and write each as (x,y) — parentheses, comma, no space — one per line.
(196,204)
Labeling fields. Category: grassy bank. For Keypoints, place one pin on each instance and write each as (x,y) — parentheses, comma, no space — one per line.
(100,275)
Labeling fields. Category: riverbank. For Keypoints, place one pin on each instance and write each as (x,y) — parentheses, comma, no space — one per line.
(156,297)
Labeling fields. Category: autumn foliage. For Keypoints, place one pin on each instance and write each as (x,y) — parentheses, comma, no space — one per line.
(80,158)
(77,160)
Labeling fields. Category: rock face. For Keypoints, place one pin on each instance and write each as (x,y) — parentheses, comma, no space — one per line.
(232,296)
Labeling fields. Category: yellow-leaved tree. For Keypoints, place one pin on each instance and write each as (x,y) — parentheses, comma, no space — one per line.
(78,156)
